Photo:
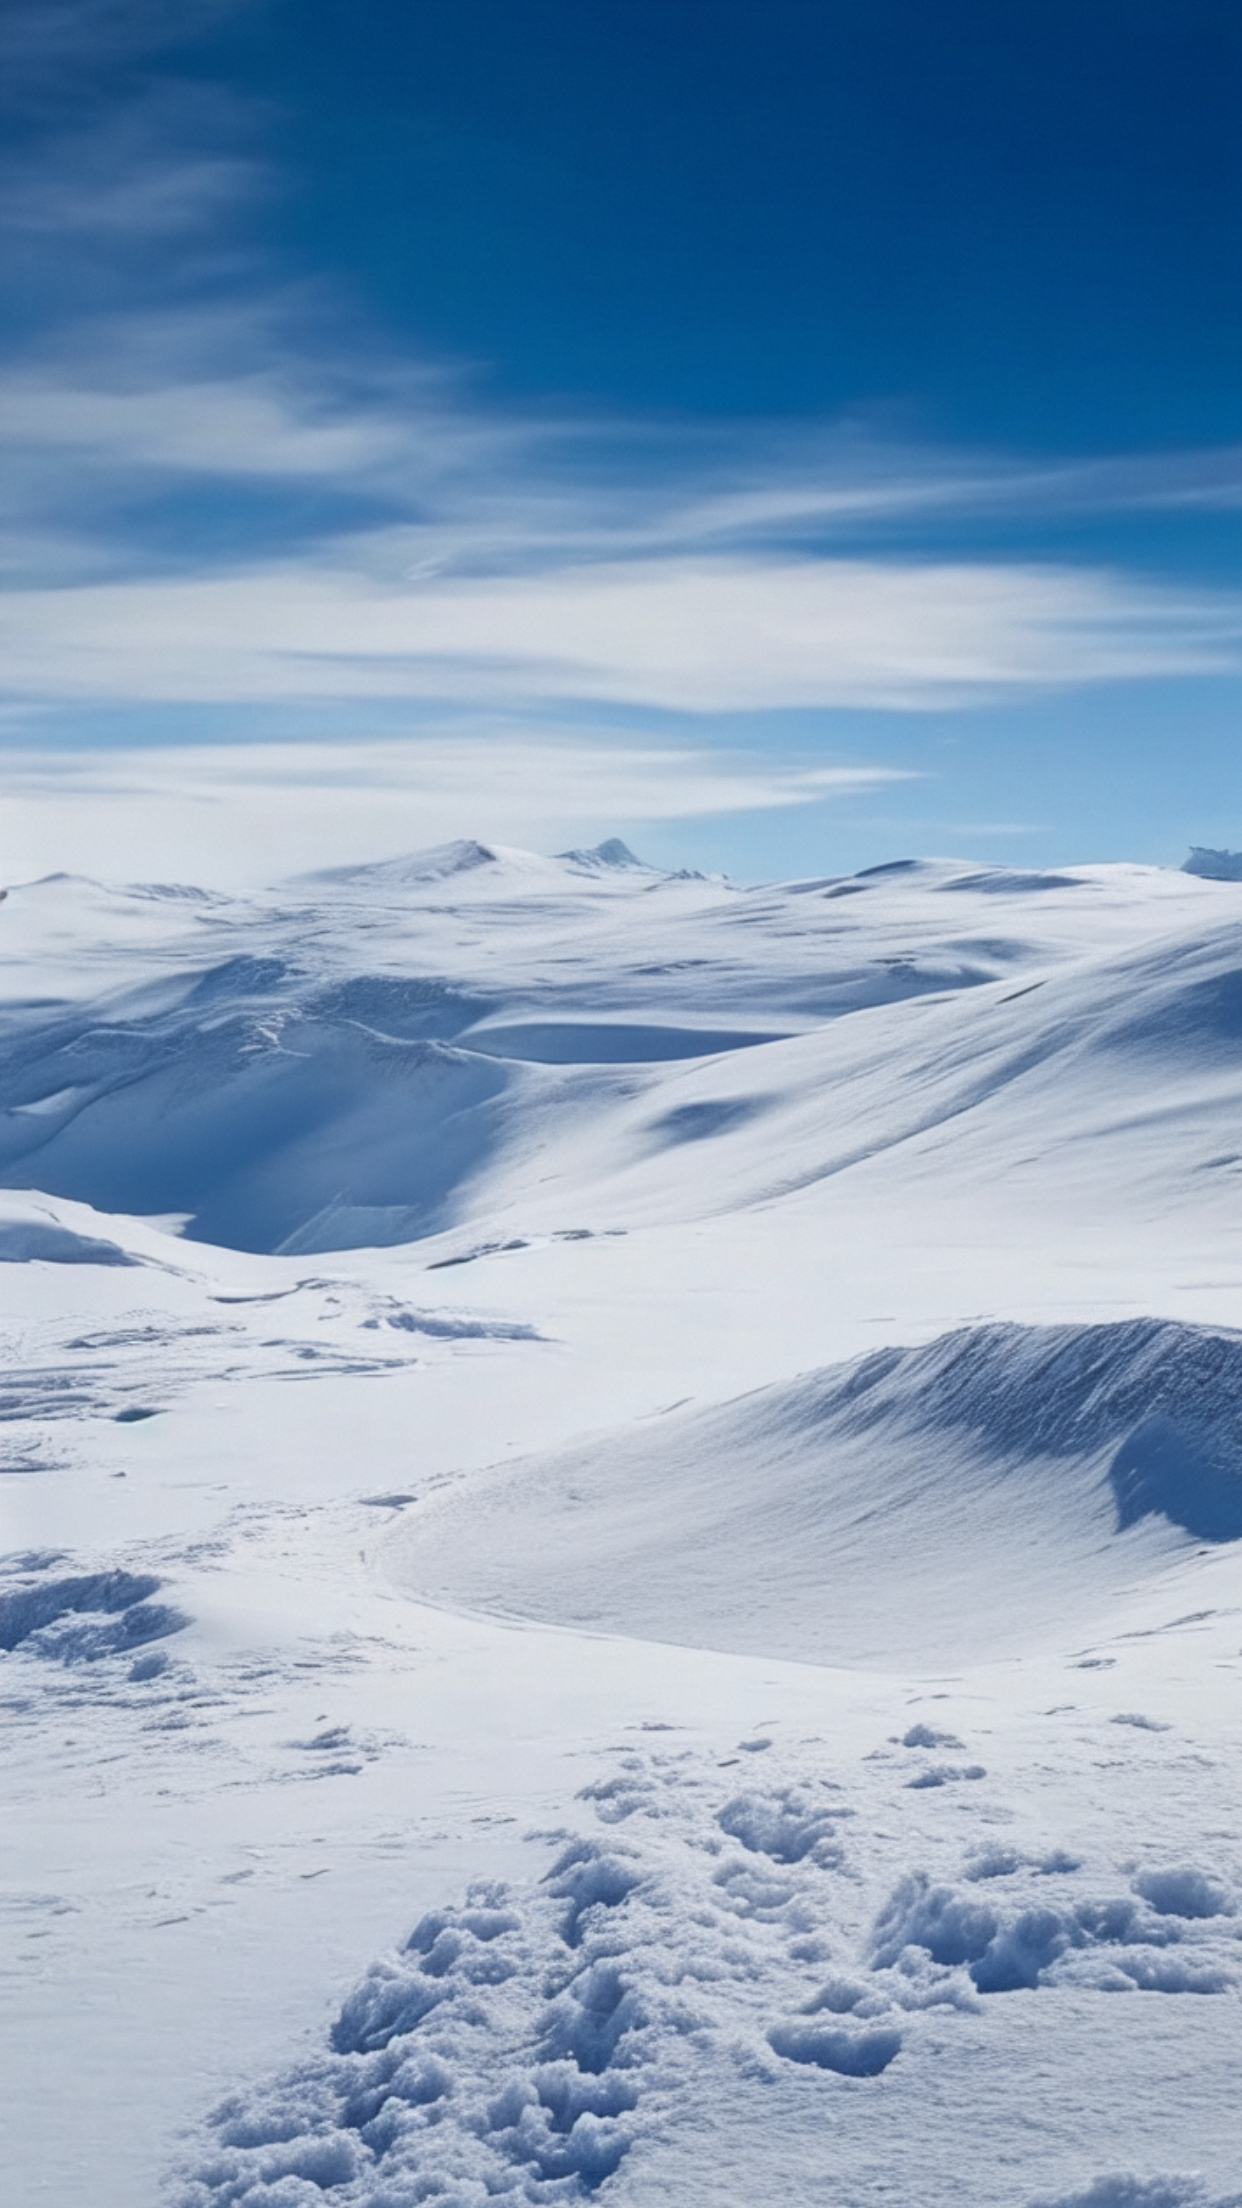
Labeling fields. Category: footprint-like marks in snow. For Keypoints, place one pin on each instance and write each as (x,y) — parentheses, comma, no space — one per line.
(461,2068)
(1164,1936)
(522,2043)
(519,2045)
(850,2054)
(589,1879)
(789,1825)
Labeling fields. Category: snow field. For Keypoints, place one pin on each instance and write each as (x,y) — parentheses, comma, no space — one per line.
(725,1549)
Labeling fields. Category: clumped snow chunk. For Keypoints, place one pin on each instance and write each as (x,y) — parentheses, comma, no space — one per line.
(1160,1937)
(1120,2190)
(850,2054)
(81,1619)
(926,1736)
(1184,1891)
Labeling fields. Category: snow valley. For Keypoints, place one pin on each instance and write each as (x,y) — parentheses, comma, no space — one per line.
(623,1570)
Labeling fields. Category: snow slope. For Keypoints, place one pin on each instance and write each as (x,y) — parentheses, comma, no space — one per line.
(420,1040)
(664,1458)
(994,1491)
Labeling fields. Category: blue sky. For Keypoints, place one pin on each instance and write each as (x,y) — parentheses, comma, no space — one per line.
(795,433)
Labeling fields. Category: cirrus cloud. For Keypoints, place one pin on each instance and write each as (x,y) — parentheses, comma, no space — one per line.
(679,635)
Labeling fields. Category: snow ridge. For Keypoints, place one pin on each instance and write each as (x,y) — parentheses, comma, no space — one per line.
(1000,1481)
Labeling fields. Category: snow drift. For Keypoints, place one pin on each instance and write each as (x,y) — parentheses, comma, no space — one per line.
(985,1493)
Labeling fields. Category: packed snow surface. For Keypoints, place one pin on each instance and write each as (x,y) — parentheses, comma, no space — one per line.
(624,1520)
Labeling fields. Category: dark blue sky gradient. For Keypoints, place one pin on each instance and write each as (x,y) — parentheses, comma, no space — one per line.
(373,314)
(1015,220)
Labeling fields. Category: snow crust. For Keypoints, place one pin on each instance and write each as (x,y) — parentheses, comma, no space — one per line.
(623,1572)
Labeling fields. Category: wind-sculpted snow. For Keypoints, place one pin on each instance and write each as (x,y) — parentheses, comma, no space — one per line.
(996,1484)
(545,2040)
(278,1110)
(256,1124)
(363,1058)
(609,1043)
(311,1327)
(1214,866)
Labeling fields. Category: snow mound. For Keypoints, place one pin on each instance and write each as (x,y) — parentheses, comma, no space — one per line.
(972,1496)
(1008,881)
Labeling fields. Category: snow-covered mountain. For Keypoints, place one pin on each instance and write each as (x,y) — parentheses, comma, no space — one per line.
(683,1441)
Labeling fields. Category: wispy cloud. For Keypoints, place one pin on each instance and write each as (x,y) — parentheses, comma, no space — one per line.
(685,636)
(451,551)
(218,492)
(245,427)
(130,409)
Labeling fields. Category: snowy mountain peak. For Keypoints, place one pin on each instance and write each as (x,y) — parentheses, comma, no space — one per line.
(611,853)
(1214,866)
(437,864)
